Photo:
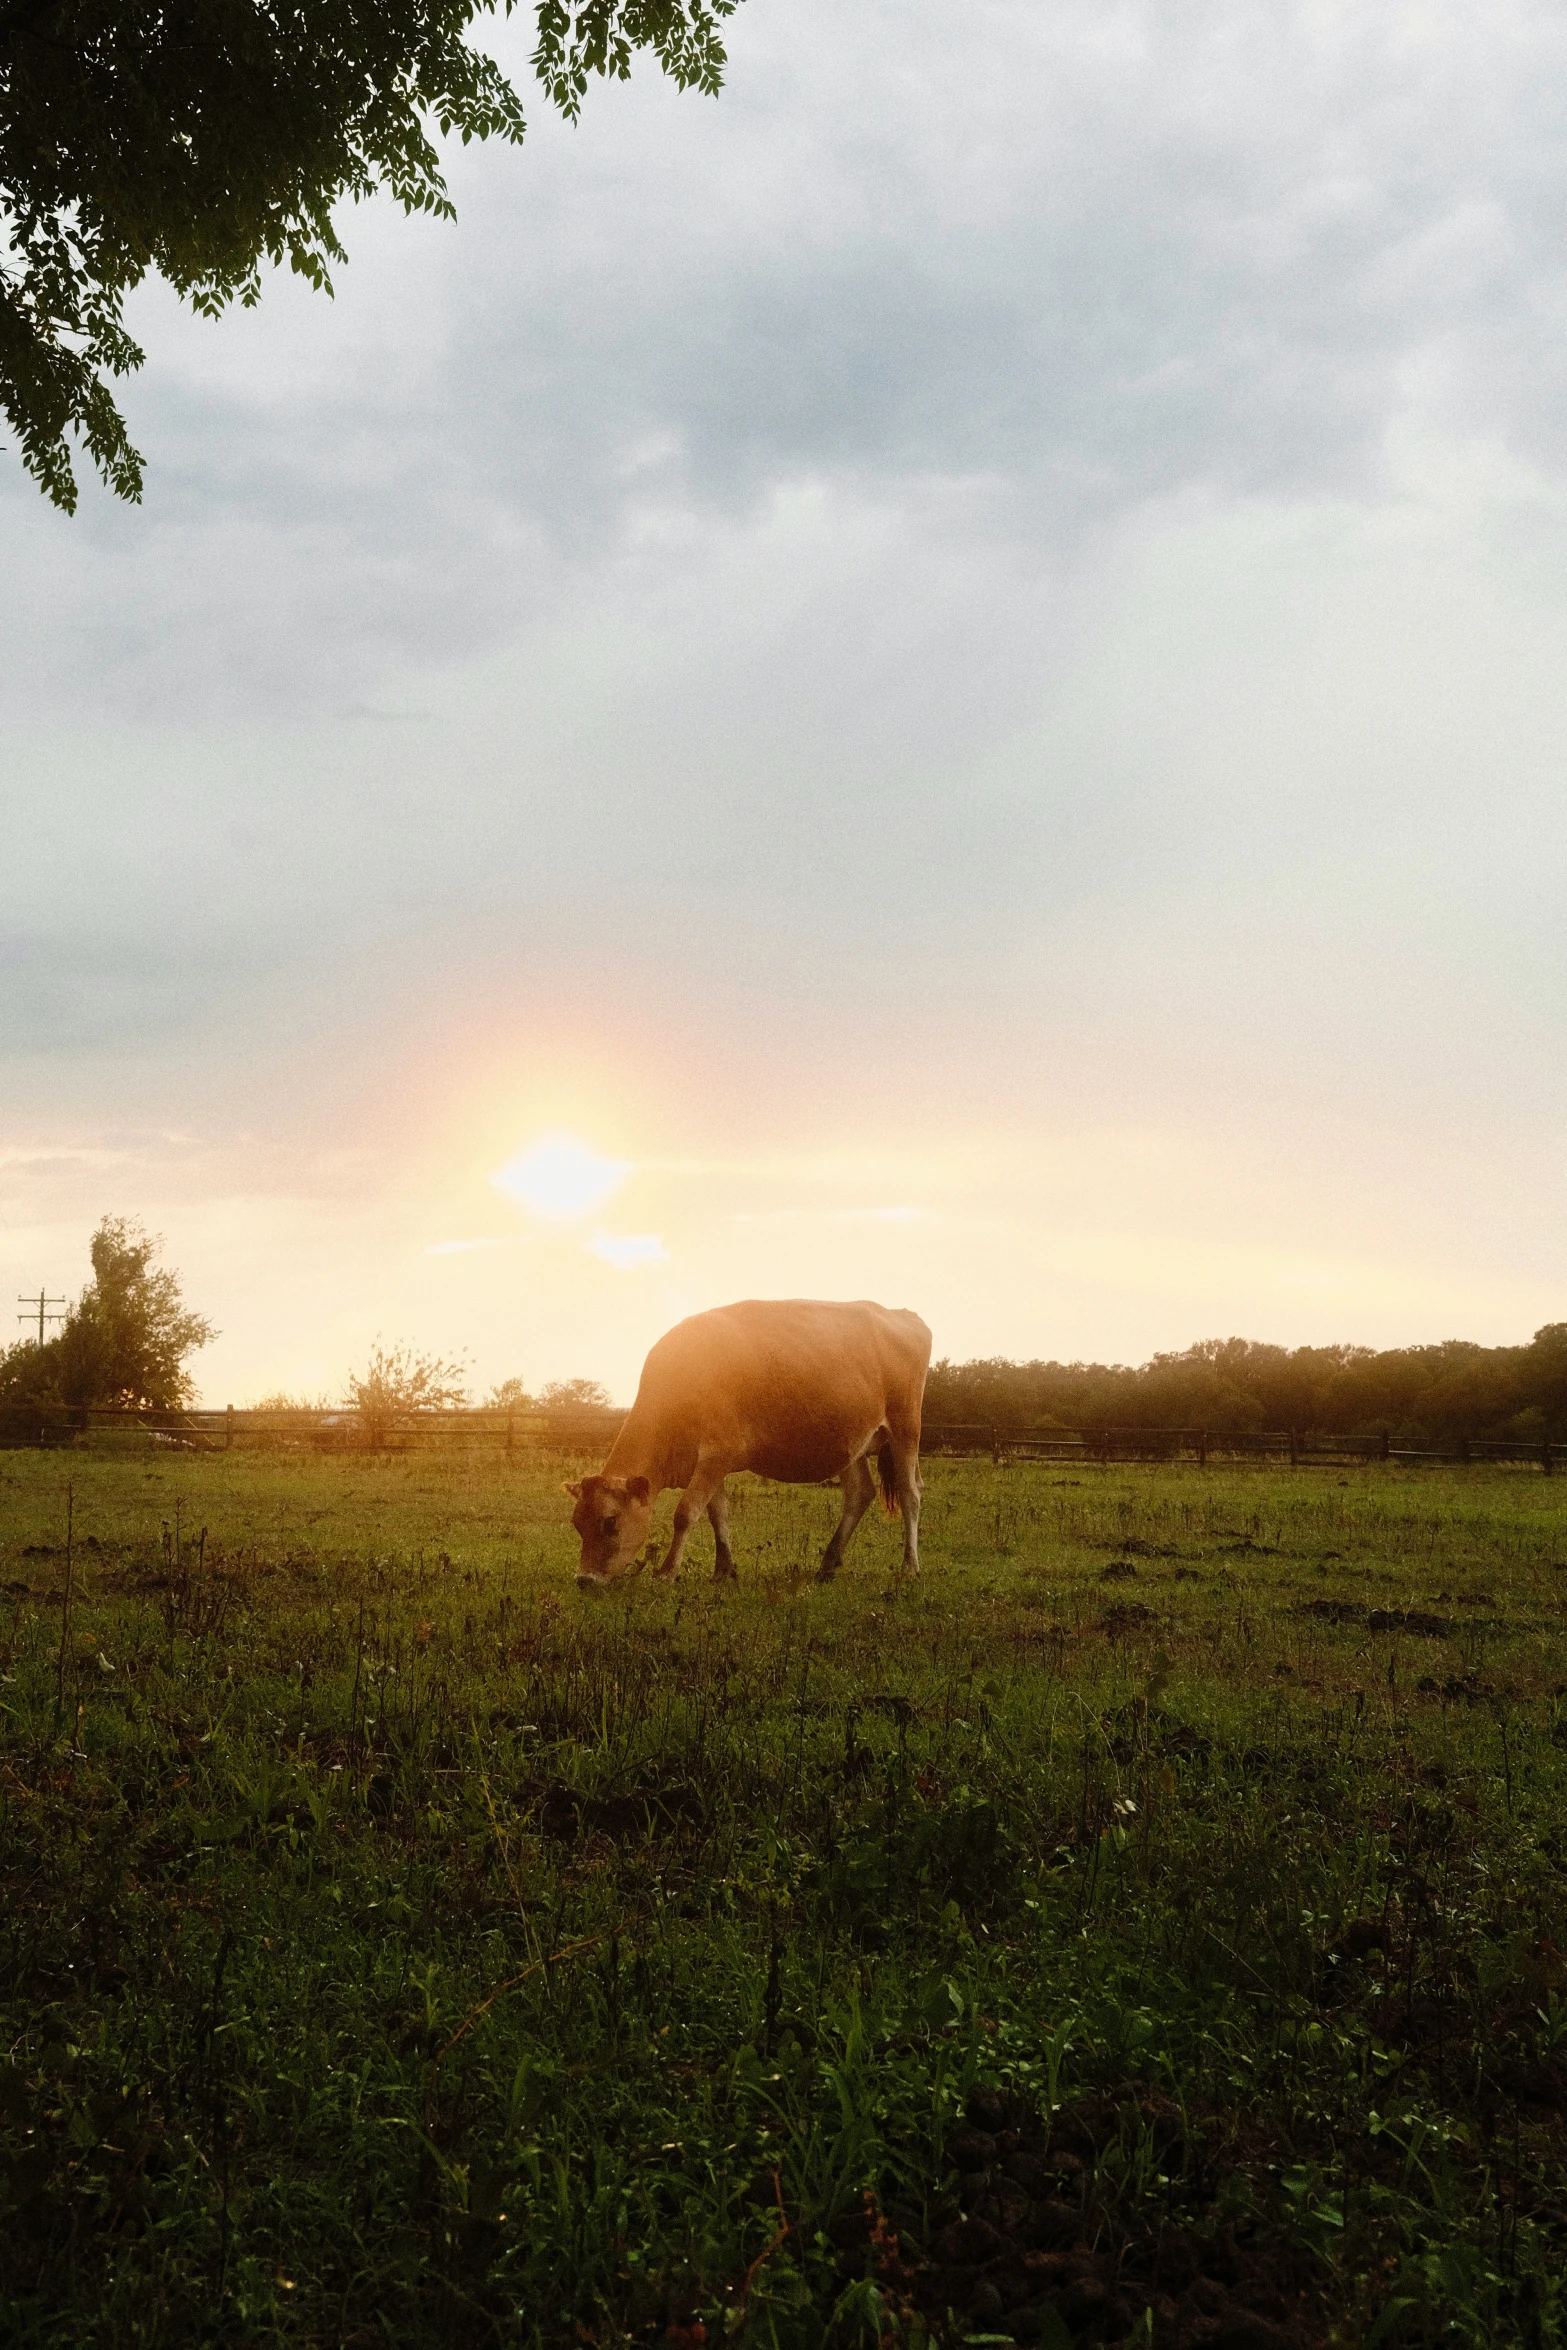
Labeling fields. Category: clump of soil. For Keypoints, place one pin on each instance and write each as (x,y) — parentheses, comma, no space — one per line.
(1417,1620)
(563,1814)
(1023,2246)
(1123,1616)
(1333,1611)
(1410,1619)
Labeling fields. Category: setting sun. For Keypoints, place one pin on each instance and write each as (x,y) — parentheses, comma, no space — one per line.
(560,1178)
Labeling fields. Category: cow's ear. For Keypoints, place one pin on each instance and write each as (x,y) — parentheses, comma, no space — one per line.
(638,1488)
(574,1490)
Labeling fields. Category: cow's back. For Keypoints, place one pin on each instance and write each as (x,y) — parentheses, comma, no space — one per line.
(793,1387)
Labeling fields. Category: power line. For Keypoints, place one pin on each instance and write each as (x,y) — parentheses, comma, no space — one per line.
(39,1309)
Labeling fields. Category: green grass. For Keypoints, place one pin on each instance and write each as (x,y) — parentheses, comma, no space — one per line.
(398,1946)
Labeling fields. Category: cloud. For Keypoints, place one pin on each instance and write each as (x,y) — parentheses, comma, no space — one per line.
(457,1248)
(740,479)
(1010,570)
(1054,268)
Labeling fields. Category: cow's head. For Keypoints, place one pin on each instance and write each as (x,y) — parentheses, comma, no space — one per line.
(612,1516)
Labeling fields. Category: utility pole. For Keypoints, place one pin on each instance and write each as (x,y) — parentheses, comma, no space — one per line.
(40,1307)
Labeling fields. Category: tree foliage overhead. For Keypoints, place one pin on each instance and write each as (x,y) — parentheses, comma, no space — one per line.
(204,138)
(124,1341)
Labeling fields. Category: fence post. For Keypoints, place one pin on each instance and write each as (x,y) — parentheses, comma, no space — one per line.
(1104,1448)
(1294,1460)
(1463,1451)
(1202,1449)
(1545,1458)
(228,1426)
(511,1431)
(1386,1445)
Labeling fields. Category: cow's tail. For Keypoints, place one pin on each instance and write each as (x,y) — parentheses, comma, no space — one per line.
(889,1480)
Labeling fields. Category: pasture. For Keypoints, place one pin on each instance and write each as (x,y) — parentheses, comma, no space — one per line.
(1147,1927)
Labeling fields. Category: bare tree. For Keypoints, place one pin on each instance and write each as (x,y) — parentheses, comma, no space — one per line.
(398,1380)
(575,1395)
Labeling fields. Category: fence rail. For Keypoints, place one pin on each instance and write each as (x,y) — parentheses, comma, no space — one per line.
(1301,1448)
(591,1432)
(323,1430)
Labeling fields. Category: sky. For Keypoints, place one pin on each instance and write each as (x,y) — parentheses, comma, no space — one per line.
(944,678)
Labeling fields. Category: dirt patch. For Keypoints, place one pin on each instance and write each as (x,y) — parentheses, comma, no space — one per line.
(1127,1615)
(1410,1619)
(1333,1611)
(1023,2247)
(563,1814)
(1416,1620)
(1458,1689)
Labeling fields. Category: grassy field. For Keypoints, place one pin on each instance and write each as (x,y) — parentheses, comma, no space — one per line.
(1147,1927)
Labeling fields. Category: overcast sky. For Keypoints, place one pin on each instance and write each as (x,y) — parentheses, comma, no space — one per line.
(955,660)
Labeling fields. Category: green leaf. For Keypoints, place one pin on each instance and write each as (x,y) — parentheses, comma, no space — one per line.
(199,142)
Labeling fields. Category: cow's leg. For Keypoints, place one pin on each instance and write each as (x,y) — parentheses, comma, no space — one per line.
(906,1483)
(718,1519)
(707,1483)
(859,1491)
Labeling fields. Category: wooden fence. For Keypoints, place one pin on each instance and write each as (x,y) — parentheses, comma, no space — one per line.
(342,1430)
(1300,1448)
(590,1433)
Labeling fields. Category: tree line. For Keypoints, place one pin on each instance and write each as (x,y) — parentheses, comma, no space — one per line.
(400,1381)
(127,1340)
(128,1337)
(1453,1389)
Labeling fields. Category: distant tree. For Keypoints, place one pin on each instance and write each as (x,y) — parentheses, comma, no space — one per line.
(1451,1389)
(398,1380)
(203,138)
(283,1402)
(509,1396)
(575,1395)
(124,1341)
(30,1375)
(126,1338)
(1543,1374)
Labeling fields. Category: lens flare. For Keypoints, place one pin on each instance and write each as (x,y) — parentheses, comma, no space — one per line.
(560,1178)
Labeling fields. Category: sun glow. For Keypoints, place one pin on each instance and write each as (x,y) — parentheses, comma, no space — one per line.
(560,1178)
(627,1250)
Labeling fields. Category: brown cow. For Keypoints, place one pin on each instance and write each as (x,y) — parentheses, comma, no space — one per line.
(792,1388)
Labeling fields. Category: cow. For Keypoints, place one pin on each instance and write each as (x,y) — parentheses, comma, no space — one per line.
(798,1389)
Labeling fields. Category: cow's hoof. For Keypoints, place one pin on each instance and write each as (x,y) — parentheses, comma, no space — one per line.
(826,1572)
